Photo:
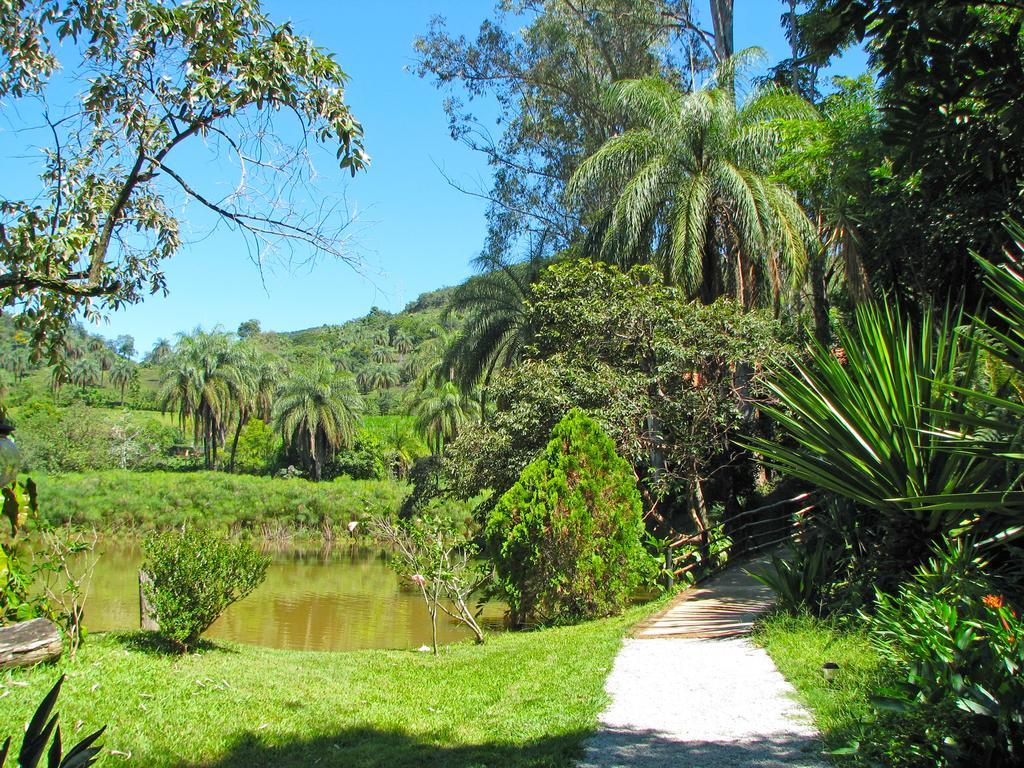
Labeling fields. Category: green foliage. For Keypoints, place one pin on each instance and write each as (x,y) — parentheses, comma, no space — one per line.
(958,642)
(367,459)
(567,538)
(37,735)
(871,422)
(855,732)
(258,448)
(212,500)
(496,326)
(951,110)
(93,236)
(317,412)
(194,577)
(79,438)
(689,187)
(798,580)
(441,410)
(627,349)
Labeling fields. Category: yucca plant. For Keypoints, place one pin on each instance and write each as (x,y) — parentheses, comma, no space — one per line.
(874,420)
(37,736)
(994,430)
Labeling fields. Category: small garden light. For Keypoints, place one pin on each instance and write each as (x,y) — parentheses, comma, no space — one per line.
(829,670)
(10,456)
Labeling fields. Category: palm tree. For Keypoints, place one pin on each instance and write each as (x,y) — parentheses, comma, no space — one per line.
(440,411)
(317,412)
(691,188)
(403,343)
(496,328)
(59,376)
(196,382)
(382,355)
(252,387)
(123,373)
(85,372)
(160,352)
(106,358)
(404,444)
(18,363)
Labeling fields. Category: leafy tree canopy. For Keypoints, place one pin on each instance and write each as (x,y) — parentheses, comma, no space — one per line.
(149,79)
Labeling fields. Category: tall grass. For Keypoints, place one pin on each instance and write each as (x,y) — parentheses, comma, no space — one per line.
(117,500)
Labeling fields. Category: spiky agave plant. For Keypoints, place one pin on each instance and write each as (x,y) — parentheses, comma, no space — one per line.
(38,734)
(876,423)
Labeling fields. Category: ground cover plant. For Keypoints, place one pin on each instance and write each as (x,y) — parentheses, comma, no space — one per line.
(857,732)
(523,699)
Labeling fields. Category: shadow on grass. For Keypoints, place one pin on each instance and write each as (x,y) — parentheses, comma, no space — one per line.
(372,748)
(155,645)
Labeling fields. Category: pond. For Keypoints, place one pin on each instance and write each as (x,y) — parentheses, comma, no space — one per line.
(328,599)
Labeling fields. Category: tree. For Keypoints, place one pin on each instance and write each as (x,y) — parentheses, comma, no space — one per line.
(124,345)
(952,102)
(161,350)
(196,382)
(252,386)
(655,370)
(123,373)
(829,163)
(549,79)
(85,372)
(495,330)
(248,328)
(689,187)
(148,80)
(377,376)
(440,411)
(317,412)
(567,538)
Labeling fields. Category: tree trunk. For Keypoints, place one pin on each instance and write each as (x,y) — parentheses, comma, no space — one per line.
(793,44)
(29,642)
(722,16)
(710,287)
(819,298)
(313,448)
(147,622)
(234,443)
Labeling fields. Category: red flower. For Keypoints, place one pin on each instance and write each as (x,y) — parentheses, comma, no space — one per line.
(994,601)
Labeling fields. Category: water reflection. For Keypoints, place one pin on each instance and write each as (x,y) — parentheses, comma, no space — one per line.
(328,599)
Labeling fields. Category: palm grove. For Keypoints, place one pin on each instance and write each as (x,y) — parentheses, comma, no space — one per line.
(720,282)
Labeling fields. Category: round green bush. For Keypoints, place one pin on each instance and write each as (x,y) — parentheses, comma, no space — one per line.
(567,538)
(194,577)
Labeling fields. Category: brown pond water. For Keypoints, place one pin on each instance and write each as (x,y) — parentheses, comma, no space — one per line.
(331,599)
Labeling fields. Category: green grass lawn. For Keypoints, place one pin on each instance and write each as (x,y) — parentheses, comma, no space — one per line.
(799,645)
(523,699)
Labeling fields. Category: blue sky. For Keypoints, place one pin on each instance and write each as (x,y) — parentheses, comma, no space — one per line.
(414,231)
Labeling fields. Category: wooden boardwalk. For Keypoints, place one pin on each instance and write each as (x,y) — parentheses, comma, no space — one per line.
(723,606)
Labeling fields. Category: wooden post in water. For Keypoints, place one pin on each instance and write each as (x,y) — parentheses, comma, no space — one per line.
(146,620)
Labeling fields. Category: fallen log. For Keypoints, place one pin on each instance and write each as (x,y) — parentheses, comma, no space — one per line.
(29,642)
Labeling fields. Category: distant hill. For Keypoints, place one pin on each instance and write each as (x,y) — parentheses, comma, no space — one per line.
(385,352)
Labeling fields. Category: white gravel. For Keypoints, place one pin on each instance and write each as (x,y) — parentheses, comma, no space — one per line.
(700,703)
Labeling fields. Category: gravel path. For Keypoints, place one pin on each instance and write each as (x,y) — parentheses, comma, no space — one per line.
(700,702)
